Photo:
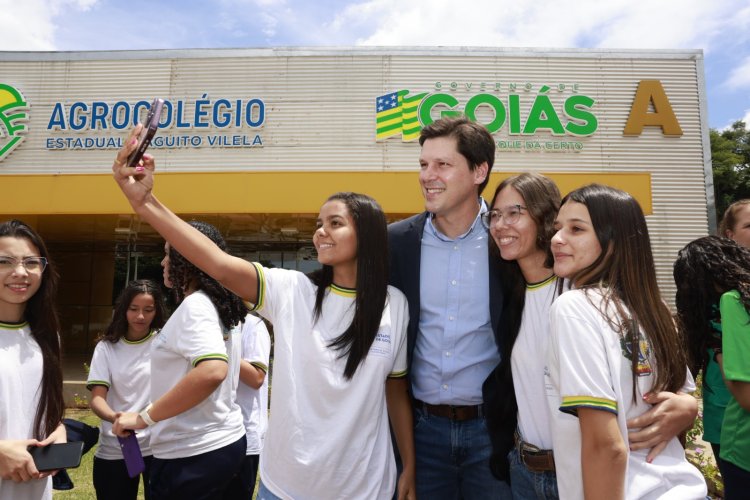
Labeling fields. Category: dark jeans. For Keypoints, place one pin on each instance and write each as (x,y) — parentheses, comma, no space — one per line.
(736,481)
(111,480)
(244,486)
(207,476)
(453,459)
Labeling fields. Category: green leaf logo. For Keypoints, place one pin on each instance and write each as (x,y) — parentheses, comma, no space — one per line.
(13,118)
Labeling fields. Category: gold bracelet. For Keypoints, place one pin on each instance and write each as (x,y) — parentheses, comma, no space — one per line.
(119,163)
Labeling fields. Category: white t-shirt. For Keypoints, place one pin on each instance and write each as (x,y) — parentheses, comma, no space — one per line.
(256,350)
(328,437)
(124,368)
(21,368)
(528,362)
(589,366)
(194,333)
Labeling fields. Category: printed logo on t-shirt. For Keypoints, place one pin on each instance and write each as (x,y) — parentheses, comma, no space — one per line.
(381,346)
(643,368)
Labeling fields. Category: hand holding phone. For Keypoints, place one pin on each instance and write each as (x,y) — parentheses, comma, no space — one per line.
(57,456)
(131,452)
(147,133)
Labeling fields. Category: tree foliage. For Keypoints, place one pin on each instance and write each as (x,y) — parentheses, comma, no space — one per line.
(730,158)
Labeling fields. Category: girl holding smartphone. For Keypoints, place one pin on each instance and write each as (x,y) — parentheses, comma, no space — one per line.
(31,400)
(120,381)
(340,347)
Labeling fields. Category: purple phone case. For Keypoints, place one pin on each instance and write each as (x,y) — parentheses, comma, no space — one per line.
(131,451)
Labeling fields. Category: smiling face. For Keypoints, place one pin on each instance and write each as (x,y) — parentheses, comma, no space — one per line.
(516,241)
(336,236)
(574,245)
(741,230)
(18,284)
(140,314)
(449,186)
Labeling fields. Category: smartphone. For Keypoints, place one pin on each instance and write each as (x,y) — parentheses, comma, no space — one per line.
(131,452)
(147,132)
(57,455)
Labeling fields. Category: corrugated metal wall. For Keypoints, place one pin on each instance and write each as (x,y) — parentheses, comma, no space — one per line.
(320,113)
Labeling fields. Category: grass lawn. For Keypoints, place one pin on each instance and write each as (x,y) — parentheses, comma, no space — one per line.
(83,477)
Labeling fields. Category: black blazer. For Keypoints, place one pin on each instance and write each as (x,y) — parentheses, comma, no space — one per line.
(405,251)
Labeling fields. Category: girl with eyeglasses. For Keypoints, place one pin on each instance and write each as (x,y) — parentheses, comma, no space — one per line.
(31,400)
(520,221)
(120,381)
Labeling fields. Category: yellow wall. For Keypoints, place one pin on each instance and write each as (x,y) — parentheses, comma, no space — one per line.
(264,192)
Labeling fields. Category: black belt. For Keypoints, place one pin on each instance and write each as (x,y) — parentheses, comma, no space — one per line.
(455,413)
(534,458)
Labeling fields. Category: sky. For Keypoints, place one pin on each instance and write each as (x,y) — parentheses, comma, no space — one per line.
(721,28)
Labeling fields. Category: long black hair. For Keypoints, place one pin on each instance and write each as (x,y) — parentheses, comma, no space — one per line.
(182,274)
(372,279)
(625,274)
(118,327)
(41,313)
(705,269)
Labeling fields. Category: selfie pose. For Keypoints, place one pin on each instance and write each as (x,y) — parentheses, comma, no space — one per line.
(120,381)
(339,357)
(197,434)
(613,340)
(31,400)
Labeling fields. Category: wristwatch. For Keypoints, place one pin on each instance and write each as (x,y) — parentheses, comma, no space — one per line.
(146,417)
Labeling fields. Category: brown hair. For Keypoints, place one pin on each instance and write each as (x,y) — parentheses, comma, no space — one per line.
(729,221)
(542,200)
(474,141)
(626,276)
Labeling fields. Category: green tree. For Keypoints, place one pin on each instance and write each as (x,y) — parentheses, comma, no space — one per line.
(730,159)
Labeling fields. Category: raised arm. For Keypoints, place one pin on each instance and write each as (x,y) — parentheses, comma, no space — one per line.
(137,184)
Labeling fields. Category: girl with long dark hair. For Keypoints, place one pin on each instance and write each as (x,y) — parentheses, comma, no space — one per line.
(197,432)
(340,347)
(120,381)
(713,299)
(613,340)
(31,400)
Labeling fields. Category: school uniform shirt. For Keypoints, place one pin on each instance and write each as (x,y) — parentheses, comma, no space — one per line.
(193,334)
(124,368)
(256,350)
(528,361)
(21,367)
(328,437)
(735,342)
(589,366)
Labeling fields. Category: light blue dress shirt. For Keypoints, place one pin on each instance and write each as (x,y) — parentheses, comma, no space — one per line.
(455,348)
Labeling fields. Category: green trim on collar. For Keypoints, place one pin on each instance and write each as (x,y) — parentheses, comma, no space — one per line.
(14,326)
(135,342)
(540,284)
(344,292)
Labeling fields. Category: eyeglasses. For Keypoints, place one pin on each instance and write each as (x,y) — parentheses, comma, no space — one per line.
(31,264)
(510,215)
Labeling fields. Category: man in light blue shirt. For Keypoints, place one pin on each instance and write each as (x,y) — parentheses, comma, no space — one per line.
(440,260)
